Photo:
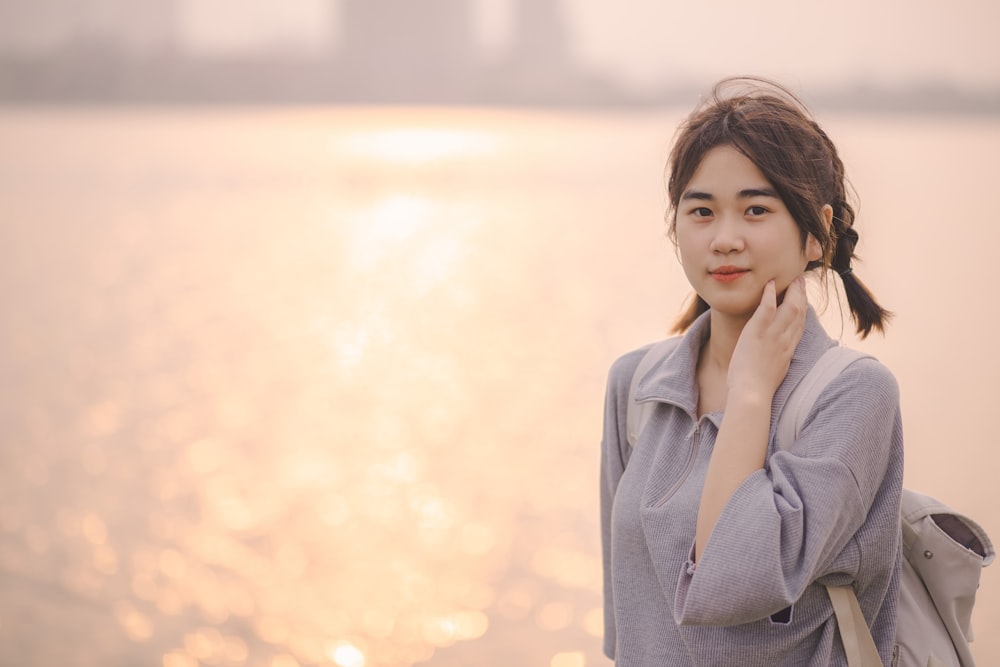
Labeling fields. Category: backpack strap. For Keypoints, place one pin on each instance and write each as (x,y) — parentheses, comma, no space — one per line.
(637,414)
(793,414)
(859,645)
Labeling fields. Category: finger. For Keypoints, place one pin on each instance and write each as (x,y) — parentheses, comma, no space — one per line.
(797,292)
(764,314)
(793,308)
(770,296)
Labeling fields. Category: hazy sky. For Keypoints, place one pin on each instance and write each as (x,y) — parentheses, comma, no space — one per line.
(799,41)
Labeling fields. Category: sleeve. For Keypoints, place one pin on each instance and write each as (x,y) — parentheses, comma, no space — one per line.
(614,456)
(787,523)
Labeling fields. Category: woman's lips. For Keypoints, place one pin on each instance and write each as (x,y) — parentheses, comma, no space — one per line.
(728,274)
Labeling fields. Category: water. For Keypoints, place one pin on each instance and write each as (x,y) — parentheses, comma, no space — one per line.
(323,386)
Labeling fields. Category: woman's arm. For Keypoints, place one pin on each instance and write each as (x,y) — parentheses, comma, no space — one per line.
(614,455)
(758,365)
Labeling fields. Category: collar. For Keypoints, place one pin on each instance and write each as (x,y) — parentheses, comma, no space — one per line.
(674,379)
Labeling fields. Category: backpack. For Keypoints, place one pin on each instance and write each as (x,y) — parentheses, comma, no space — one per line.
(944,552)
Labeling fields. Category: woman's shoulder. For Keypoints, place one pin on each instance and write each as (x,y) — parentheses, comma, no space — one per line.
(861,396)
(630,367)
(624,367)
(868,375)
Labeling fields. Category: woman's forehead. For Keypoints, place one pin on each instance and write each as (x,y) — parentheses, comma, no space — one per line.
(727,168)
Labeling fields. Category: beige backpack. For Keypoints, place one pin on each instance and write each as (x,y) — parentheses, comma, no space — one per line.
(944,552)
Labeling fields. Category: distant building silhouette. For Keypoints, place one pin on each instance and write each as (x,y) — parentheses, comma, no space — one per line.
(404,48)
(130,27)
(540,35)
(389,51)
(33,27)
(539,63)
(153,25)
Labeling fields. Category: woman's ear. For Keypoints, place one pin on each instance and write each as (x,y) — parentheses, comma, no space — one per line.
(814,250)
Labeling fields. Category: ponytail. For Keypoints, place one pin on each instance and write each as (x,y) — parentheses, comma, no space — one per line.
(865,310)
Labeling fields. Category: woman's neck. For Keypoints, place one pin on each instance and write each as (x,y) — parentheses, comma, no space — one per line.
(713,362)
(724,332)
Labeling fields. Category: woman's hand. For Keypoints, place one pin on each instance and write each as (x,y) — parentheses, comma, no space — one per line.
(758,365)
(764,349)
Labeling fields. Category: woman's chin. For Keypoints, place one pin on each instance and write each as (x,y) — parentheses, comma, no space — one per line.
(737,309)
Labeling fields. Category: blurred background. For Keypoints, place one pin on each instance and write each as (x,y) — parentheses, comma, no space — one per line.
(308,306)
(490,52)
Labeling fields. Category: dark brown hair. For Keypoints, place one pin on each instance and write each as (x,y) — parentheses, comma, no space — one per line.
(773,128)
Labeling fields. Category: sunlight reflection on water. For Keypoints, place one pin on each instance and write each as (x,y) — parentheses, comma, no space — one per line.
(315,387)
(411,146)
(275,428)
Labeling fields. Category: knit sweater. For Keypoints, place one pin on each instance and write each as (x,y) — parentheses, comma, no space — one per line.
(823,511)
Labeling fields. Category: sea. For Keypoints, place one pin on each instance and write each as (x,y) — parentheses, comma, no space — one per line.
(295,386)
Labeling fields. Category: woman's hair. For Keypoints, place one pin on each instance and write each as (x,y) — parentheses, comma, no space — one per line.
(772,128)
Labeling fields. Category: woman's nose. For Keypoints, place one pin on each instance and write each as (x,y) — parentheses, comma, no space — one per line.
(728,237)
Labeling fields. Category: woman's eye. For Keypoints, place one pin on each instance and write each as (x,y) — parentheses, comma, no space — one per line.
(701,212)
(756,210)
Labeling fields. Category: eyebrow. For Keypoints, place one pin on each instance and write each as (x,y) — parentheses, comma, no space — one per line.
(748,193)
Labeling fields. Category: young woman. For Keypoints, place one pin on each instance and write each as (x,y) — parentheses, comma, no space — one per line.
(717,544)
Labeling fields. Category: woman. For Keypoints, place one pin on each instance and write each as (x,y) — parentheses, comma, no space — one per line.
(717,545)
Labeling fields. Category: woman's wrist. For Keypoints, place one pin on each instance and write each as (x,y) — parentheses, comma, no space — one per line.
(749,397)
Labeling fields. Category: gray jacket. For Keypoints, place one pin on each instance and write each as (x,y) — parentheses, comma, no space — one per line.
(825,511)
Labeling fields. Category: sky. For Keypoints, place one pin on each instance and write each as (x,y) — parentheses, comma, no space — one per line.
(642,41)
(832,41)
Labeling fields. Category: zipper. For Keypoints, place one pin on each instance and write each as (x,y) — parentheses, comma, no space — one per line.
(695,437)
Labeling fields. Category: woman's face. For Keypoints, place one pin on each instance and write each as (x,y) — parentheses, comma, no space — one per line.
(734,234)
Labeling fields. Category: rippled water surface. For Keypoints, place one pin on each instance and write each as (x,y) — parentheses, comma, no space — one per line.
(289,387)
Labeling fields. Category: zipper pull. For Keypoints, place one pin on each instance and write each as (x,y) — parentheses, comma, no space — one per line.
(694,430)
